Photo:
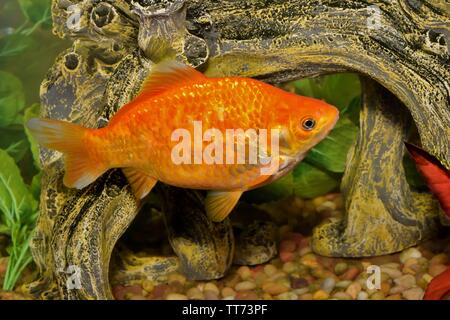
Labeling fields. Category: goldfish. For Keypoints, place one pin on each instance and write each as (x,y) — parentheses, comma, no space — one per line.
(150,137)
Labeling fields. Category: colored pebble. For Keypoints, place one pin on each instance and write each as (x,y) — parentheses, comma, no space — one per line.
(286,256)
(440,258)
(306,296)
(297,283)
(274,288)
(436,269)
(362,295)
(211,295)
(246,295)
(377,296)
(228,292)
(392,273)
(343,284)
(289,267)
(245,285)
(397,296)
(410,253)
(406,281)
(340,268)
(351,274)
(287,296)
(270,269)
(328,284)
(244,272)
(353,289)
(194,294)
(176,277)
(341,296)
(301,291)
(326,206)
(320,295)
(211,287)
(413,294)
(176,296)
(287,246)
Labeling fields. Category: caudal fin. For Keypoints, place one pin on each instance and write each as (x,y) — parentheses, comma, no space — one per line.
(69,139)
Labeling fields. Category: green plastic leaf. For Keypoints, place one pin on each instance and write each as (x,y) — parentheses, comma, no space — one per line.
(336,89)
(37,11)
(35,186)
(352,111)
(14,44)
(18,211)
(331,152)
(310,181)
(17,150)
(32,112)
(12,98)
(278,189)
(413,177)
(4,229)
(17,204)
(14,141)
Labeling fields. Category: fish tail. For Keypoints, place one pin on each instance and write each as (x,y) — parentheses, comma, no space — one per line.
(70,139)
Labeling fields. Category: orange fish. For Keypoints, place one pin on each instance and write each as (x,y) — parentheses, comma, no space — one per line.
(150,138)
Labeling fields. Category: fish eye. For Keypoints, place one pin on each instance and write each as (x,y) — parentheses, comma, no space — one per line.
(308,124)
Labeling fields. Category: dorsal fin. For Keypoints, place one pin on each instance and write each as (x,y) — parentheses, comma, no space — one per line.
(168,74)
(163,76)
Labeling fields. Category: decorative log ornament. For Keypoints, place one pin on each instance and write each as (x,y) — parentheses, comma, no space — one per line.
(400,47)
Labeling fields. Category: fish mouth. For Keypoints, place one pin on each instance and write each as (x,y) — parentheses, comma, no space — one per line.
(327,129)
(335,121)
(331,125)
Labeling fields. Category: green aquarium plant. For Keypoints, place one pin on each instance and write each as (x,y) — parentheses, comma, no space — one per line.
(24,27)
(19,210)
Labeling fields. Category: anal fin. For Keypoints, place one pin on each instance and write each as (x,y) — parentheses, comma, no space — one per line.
(141,183)
(218,204)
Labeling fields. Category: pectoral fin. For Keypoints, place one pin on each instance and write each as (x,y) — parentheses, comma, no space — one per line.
(218,204)
(141,183)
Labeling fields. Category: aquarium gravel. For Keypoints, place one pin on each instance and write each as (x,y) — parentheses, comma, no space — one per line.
(302,275)
(299,274)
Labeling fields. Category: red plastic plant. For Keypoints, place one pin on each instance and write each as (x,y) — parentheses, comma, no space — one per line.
(437,178)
